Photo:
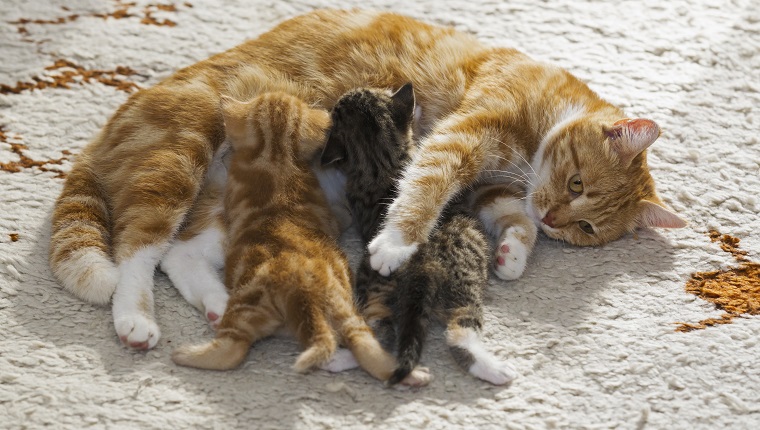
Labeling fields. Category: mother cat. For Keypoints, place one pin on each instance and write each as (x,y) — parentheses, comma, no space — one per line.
(485,111)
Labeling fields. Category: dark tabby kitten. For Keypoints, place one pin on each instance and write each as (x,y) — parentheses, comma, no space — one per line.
(370,142)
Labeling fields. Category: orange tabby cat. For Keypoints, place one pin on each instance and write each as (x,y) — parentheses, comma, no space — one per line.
(486,112)
(282,264)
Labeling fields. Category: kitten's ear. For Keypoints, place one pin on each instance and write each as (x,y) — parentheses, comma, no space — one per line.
(654,215)
(333,151)
(629,137)
(403,105)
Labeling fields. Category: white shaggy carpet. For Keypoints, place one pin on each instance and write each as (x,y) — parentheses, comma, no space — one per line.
(591,331)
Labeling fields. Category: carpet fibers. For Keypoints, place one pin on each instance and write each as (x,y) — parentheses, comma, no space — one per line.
(620,336)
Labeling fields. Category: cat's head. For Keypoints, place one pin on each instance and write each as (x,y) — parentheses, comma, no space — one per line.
(370,126)
(275,126)
(592,184)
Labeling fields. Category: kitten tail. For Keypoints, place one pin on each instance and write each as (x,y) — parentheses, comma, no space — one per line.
(222,353)
(322,346)
(412,321)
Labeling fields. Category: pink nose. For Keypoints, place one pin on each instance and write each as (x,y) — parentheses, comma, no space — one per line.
(548,219)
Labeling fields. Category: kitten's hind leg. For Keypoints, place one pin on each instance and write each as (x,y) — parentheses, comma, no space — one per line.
(192,265)
(502,211)
(463,338)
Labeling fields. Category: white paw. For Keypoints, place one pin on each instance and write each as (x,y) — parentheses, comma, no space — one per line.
(493,371)
(388,251)
(214,306)
(511,255)
(343,359)
(137,331)
(419,377)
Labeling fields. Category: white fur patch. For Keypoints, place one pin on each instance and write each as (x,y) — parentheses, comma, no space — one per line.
(486,366)
(388,250)
(193,267)
(511,254)
(133,300)
(343,359)
(500,207)
(89,274)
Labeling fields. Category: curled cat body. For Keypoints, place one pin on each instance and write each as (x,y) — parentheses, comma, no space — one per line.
(283,267)
(488,114)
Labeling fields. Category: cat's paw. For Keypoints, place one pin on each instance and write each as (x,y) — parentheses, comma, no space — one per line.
(493,370)
(419,377)
(511,254)
(214,306)
(343,359)
(137,331)
(388,251)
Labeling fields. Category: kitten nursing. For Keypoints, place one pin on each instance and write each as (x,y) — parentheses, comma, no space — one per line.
(370,142)
(282,265)
(535,145)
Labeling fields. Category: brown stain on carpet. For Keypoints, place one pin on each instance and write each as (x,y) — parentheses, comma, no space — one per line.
(735,290)
(26,162)
(67,73)
(14,237)
(122,11)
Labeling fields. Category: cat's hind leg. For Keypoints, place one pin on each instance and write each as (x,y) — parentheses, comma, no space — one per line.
(193,267)
(501,209)
(463,338)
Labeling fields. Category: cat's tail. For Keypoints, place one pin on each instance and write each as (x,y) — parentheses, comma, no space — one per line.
(412,320)
(320,338)
(80,237)
(222,353)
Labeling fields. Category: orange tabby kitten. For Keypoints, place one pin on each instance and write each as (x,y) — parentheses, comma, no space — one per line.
(282,264)
(490,118)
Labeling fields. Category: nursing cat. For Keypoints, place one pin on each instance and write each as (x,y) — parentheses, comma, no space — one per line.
(283,267)
(370,142)
(486,110)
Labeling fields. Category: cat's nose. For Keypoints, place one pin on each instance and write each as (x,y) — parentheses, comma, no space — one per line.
(548,219)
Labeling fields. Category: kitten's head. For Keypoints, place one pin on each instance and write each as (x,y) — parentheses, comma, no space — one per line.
(371,128)
(274,126)
(593,184)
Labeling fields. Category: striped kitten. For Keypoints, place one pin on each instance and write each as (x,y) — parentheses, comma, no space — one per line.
(370,142)
(282,265)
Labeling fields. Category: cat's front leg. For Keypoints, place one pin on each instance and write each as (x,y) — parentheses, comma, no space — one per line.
(501,209)
(447,161)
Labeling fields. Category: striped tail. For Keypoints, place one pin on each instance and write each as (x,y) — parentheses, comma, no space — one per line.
(222,353)
(368,352)
(80,238)
(413,318)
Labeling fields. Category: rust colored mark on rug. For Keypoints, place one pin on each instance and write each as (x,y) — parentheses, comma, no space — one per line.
(735,290)
(122,11)
(26,162)
(13,236)
(67,73)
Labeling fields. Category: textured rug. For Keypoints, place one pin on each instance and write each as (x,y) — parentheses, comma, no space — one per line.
(621,336)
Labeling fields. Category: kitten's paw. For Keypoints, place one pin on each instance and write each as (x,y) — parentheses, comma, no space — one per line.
(419,377)
(388,251)
(494,371)
(214,306)
(511,254)
(343,359)
(137,331)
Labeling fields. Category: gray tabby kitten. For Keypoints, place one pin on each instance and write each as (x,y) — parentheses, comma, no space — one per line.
(370,142)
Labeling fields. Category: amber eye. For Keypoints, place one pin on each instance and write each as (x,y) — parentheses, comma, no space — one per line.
(586,227)
(575,185)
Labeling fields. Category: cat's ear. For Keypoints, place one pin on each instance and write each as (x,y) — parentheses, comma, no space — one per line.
(629,137)
(654,215)
(333,151)
(403,105)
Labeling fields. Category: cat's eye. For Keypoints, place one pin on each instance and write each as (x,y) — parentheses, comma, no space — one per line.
(586,227)
(575,185)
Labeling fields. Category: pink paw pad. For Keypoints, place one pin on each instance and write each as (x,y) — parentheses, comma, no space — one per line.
(212,316)
(138,345)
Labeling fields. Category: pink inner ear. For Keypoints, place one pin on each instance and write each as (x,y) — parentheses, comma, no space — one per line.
(629,137)
(654,215)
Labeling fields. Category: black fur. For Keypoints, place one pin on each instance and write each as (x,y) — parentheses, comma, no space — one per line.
(370,142)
